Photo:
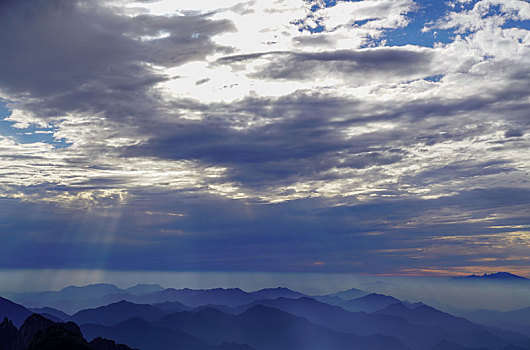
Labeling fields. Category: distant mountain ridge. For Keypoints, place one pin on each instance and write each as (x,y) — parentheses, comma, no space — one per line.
(369,303)
(515,320)
(73,299)
(115,313)
(498,276)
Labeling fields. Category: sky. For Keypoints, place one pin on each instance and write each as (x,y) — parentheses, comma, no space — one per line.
(379,137)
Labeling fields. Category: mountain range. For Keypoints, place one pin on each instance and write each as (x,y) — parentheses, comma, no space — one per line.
(149,317)
(73,299)
(498,276)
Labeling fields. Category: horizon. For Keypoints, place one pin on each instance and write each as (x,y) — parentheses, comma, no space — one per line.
(124,279)
(442,292)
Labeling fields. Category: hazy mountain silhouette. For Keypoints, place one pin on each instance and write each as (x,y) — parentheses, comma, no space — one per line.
(171,306)
(115,313)
(273,318)
(416,325)
(515,320)
(220,296)
(273,293)
(198,297)
(340,297)
(72,292)
(352,293)
(138,332)
(269,328)
(429,316)
(143,289)
(328,299)
(498,276)
(14,312)
(515,347)
(369,303)
(357,323)
(446,345)
(460,328)
(72,299)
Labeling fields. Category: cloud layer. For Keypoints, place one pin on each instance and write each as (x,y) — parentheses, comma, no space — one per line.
(247,135)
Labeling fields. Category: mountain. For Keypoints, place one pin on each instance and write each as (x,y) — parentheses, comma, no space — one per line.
(171,306)
(106,344)
(217,296)
(340,297)
(445,345)
(357,323)
(197,297)
(514,347)
(515,320)
(59,337)
(418,326)
(498,277)
(428,316)
(8,334)
(349,294)
(328,299)
(115,313)
(39,333)
(74,292)
(369,303)
(222,320)
(143,289)
(461,329)
(72,299)
(47,311)
(29,329)
(14,312)
(273,293)
(140,333)
(267,328)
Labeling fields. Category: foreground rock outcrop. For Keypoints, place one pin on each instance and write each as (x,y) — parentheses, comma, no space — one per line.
(39,333)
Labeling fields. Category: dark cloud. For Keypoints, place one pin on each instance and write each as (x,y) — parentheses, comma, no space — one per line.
(302,140)
(78,56)
(306,135)
(460,170)
(365,64)
(513,133)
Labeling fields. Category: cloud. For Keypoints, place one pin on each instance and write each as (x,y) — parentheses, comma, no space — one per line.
(82,57)
(280,146)
(362,66)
